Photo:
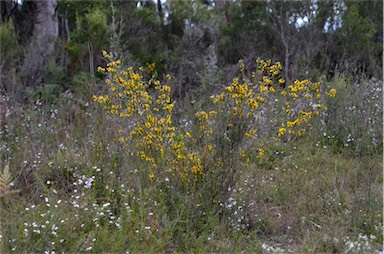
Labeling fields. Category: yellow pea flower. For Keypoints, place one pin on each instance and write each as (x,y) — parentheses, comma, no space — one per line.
(332,92)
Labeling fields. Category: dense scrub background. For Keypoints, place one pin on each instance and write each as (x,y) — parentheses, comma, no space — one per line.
(197,42)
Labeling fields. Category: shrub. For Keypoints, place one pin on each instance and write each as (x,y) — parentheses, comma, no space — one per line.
(202,161)
(354,121)
(10,49)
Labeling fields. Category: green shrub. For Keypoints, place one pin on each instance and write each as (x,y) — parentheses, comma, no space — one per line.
(9,46)
(202,162)
(353,122)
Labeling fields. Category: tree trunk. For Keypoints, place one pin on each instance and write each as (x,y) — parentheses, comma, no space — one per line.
(42,44)
(160,12)
(286,65)
(7,7)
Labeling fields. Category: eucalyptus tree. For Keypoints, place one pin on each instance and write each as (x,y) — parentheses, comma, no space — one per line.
(43,40)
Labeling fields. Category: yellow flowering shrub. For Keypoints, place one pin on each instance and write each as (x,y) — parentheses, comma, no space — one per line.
(209,156)
(252,110)
(157,141)
(265,100)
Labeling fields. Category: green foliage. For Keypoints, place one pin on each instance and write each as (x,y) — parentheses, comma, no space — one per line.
(55,74)
(82,190)
(88,35)
(189,13)
(245,32)
(91,27)
(74,7)
(10,52)
(196,166)
(47,93)
(97,24)
(6,183)
(9,46)
(230,174)
(353,122)
(358,30)
(141,28)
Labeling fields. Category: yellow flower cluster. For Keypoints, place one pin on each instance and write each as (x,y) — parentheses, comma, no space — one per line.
(301,105)
(245,97)
(157,141)
(203,122)
(167,151)
(282,131)
(151,67)
(129,96)
(332,92)
(301,100)
(268,69)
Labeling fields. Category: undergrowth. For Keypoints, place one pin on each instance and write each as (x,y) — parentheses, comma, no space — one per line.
(255,169)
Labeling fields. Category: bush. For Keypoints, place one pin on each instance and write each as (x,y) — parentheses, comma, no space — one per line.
(202,161)
(353,122)
(9,48)
(235,184)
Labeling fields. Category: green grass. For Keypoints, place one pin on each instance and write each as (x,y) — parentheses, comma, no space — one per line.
(82,192)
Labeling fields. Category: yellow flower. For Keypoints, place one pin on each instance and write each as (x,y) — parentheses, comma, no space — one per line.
(111,70)
(282,131)
(261,153)
(332,92)
(263,89)
(301,132)
(168,107)
(250,133)
(253,103)
(151,176)
(229,89)
(218,98)
(261,99)
(202,116)
(290,124)
(151,67)
(134,76)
